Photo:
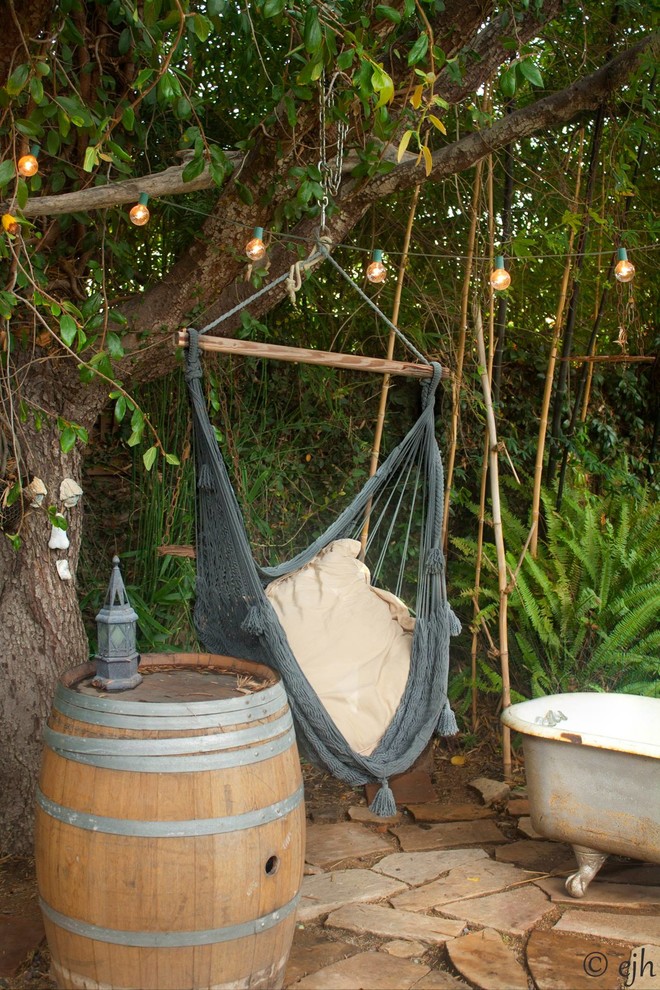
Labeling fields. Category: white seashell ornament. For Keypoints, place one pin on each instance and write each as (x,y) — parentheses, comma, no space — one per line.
(70,492)
(64,570)
(58,537)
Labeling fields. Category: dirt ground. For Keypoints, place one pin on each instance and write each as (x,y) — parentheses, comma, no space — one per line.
(326,799)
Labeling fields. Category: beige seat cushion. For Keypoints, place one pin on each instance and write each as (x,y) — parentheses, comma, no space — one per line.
(352,641)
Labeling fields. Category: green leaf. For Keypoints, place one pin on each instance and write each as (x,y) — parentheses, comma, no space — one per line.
(68,329)
(134,438)
(7,171)
(36,89)
(345,60)
(312,33)
(172,459)
(120,408)
(202,27)
(193,169)
(383,85)
(91,158)
(67,439)
(389,12)
(149,457)
(418,50)
(508,82)
(273,7)
(531,72)
(17,79)
(128,118)
(113,343)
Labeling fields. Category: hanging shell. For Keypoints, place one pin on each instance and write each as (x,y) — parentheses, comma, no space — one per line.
(58,537)
(64,570)
(35,492)
(70,492)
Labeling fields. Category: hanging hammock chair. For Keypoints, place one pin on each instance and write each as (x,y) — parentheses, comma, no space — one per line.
(240,604)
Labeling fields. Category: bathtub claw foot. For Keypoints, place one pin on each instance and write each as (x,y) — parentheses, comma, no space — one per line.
(589,863)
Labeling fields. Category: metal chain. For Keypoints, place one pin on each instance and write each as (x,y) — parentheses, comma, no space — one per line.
(331,172)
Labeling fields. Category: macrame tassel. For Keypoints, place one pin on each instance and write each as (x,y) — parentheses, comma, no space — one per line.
(455,626)
(447,722)
(255,622)
(384,804)
(435,561)
(205,479)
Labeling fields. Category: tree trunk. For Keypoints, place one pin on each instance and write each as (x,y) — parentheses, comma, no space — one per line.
(41,629)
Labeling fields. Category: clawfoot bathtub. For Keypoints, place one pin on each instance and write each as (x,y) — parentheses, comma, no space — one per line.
(592,763)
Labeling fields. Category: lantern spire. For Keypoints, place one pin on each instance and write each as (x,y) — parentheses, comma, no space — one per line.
(117,658)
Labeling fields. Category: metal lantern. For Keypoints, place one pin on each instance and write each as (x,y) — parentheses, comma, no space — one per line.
(117,658)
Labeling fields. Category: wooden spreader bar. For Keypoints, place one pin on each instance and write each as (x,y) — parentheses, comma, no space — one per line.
(302,355)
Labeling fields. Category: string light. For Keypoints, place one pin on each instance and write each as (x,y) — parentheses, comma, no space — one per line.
(139,214)
(28,164)
(625,270)
(255,247)
(499,277)
(10,224)
(377,272)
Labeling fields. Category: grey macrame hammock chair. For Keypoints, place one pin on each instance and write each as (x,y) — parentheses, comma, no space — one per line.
(234,617)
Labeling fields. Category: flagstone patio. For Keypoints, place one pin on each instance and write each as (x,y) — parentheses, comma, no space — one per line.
(452,896)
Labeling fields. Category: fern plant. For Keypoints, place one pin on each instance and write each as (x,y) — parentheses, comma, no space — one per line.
(585,613)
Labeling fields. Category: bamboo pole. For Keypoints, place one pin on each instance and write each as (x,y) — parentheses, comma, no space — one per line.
(460,357)
(502,582)
(396,305)
(550,371)
(302,355)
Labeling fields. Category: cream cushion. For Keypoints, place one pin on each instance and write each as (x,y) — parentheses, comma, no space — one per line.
(352,641)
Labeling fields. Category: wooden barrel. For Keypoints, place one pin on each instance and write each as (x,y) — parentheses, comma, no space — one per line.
(170,828)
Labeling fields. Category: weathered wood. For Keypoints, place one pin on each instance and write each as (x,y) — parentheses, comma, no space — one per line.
(612,358)
(302,355)
(189,856)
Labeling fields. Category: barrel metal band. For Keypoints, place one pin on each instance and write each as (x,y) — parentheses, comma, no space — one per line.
(184,719)
(170,829)
(183,764)
(169,939)
(124,707)
(64,743)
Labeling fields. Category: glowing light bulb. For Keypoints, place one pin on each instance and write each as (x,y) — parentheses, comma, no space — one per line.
(255,247)
(499,277)
(377,272)
(625,270)
(28,164)
(139,214)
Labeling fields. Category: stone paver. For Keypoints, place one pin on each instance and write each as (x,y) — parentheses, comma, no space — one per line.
(466,881)
(375,970)
(360,813)
(518,806)
(329,845)
(18,937)
(491,791)
(440,979)
(330,891)
(537,855)
(558,960)
(415,839)
(310,953)
(484,959)
(647,873)
(514,911)
(525,826)
(389,923)
(420,867)
(635,928)
(403,949)
(626,896)
(438,812)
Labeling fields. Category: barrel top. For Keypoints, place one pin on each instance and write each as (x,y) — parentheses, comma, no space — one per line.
(178,684)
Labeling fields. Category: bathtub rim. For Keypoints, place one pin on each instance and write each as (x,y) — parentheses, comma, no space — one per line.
(515,719)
